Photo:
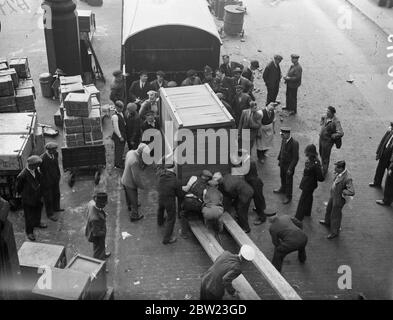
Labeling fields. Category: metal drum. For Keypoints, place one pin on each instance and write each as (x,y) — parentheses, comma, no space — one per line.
(233,19)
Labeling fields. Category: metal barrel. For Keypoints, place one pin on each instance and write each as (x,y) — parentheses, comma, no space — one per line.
(46,81)
(233,19)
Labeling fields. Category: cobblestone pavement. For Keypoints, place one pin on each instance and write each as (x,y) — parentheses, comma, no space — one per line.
(141,267)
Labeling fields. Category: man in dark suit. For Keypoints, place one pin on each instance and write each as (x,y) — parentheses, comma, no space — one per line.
(220,275)
(226,67)
(293,79)
(388,190)
(241,102)
(28,185)
(384,153)
(287,161)
(341,189)
(160,82)
(225,85)
(133,126)
(246,84)
(272,77)
(50,172)
(139,89)
(95,231)
(248,73)
(287,236)
(119,134)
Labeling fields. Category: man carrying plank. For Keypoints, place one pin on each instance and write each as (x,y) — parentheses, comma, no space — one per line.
(220,275)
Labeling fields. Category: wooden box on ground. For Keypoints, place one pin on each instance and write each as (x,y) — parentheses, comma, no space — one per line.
(77,104)
(83,156)
(6,86)
(66,284)
(25,100)
(34,257)
(27,84)
(65,89)
(197,108)
(18,123)
(11,72)
(21,66)
(8,104)
(70,79)
(93,91)
(14,151)
(96,270)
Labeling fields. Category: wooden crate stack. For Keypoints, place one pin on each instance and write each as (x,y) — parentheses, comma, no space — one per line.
(17,92)
(81,118)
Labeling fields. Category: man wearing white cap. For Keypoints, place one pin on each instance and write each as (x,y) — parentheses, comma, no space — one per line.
(50,171)
(132,179)
(28,185)
(226,268)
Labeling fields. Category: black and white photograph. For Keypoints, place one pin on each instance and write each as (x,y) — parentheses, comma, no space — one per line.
(197,156)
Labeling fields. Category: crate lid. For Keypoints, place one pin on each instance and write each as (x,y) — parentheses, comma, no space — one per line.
(12,145)
(24,92)
(73,96)
(17,123)
(84,13)
(195,106)
(70,79)
(35,254)
(85,264)
(66,284)
(5,78)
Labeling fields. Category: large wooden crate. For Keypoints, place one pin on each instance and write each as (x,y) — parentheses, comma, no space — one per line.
(6,86)
(197,109)
(21,66)
(96,270)
(14,151)
(65,284)
(25,99)
(11,72)
(8,104)
(18,123)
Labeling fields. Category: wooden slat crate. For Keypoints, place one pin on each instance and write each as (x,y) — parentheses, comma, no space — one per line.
(77,104)
(27,84)
(25,100)
(21,65)
(11,72)
(8,104)
(6,86)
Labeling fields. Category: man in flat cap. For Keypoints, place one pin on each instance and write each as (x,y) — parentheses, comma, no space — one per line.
(192,79)
(227,267)
(341,191)
(150,105)
(239,80)
(287,236)
(193,199)
(117,87)
(28,185)
(169,188)
(159,82)
(287,161)
(293,79)
(96,225)
(272,78)
(50,172)
(132,179)
(331,131)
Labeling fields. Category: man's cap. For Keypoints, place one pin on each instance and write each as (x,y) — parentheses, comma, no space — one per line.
(143,72)
(237,70)
(119,104)
(51,145)
(101,197)
(295,56)
(270,213)
(213,183)
(34,160)
(207,174)
(207,70)
(247,252)
(117,73)
(225,56)
(340,164)
(332,109)
(160,73)
(151,92)
(278,56)
(217,176)
(172,84)
(285,129)
(255,64)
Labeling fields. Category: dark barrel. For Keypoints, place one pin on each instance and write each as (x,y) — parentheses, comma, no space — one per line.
(46,81)
(233,19)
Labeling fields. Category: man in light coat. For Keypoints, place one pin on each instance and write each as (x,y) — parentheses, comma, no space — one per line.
(340,192)
(132,179)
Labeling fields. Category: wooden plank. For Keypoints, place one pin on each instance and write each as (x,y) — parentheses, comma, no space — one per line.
(270,273)
(214,250)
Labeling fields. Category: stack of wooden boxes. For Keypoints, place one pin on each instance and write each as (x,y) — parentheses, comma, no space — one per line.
(17,92)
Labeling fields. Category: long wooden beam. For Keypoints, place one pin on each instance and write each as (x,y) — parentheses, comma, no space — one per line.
(269,272)
(214,250)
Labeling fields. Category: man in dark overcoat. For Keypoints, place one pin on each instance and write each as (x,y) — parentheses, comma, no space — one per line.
(287,161)
(272,77)
(293,79)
